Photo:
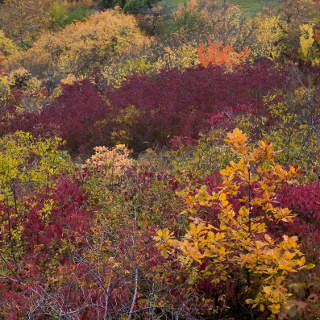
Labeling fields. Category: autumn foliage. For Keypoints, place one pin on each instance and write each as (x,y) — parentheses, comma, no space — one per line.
(216,55)
(149,173)
(150,110)
(240,241)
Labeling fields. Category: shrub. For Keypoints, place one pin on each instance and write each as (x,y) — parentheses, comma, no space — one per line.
(239,246)
(75,116)
(111,164)
(277,33)
(303,200)
(309,46)
(63,15)
(38,247)
(195,21)
(83,47)
(150,61)
(7,46)
(269,36)
(58,118)
(135,6)
(16,16)
(151,110)
(175,103)
(26,165)
(213,55)
(42,221)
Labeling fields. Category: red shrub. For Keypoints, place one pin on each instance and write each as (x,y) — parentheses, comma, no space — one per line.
(172,103)
(72,116)
(175,103)
(52,230)
(304,200)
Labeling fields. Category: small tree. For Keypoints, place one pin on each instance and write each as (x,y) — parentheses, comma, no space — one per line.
(22,20)
(240,246)
(215,55)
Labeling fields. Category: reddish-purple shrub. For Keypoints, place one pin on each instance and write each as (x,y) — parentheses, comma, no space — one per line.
(171,103)
(175,103)
(74,116)
(303,200)
(52,227)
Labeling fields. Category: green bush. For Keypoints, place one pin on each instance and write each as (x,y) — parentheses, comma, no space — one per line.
(185,19)
(7,46)
(62,16)
(135,6)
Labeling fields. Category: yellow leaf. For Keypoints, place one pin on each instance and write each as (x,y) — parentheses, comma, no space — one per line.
(275,308)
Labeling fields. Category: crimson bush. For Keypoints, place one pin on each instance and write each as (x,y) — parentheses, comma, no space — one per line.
(170,104)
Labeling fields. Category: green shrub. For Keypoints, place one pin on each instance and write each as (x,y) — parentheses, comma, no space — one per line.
(7,46)
(62,16)
(135,6)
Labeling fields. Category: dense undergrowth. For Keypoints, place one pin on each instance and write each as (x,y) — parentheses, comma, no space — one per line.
(159,162)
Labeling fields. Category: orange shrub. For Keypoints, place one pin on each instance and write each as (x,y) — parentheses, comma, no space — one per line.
(215,55)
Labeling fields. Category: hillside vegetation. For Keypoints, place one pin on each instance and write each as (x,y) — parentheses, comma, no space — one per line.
(249,7)
(159,160)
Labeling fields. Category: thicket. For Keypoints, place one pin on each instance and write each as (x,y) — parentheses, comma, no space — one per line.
(151,110)
(161,164)
(80,48)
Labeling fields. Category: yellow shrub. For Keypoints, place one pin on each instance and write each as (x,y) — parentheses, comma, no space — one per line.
(241,242)
(24,20)
(110,163)
(270,36)
(83,47)
(7,46)
(309,49)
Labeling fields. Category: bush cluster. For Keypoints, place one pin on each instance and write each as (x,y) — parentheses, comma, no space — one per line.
(159,161)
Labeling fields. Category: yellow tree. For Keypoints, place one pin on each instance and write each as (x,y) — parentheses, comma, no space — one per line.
(241,242)
(23,20)
(270,33)
(7,46)
(83,47)
(309,44)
